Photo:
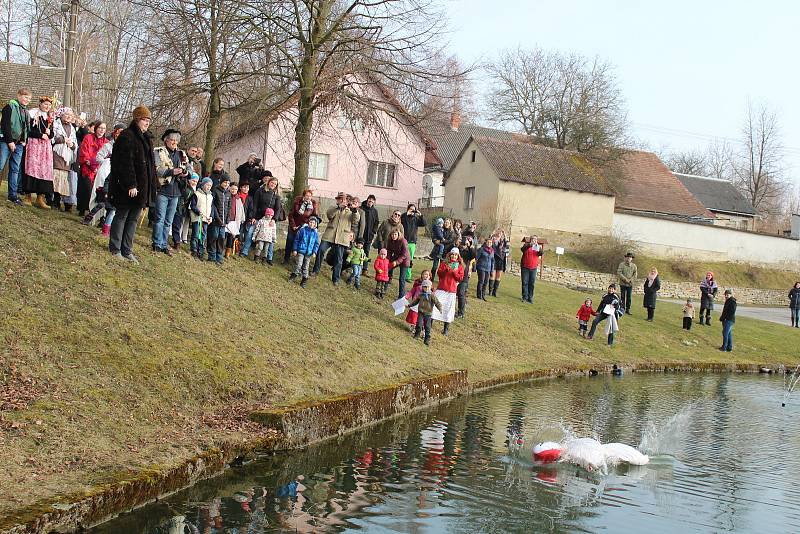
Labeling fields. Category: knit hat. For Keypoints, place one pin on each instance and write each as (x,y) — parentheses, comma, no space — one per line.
(118,127)
(427,284)
(205,181)
(455,250)
(439,221)
(269,212)
(194,176)
(141,112)
(315,219)
(169,132)
(383,251)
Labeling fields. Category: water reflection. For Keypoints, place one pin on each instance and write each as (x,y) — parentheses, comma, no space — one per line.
(722,449)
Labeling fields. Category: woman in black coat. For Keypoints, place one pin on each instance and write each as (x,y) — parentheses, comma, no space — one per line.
(794,304)
(651,286)
(132,184)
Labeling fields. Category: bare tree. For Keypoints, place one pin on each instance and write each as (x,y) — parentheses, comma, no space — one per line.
(566,101)
(758,169)
(340,56)
(688,162)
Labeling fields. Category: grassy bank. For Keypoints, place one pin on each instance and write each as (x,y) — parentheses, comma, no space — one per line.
(108,368)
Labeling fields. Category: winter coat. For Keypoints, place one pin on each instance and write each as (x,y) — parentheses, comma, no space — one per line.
(381,266)
(298,218)
(627,273)
(484,259)
(247,173)
(87,155)
(467,255)
(14,123)
(220,206)
(585,313)
(340,221)
(448,239)
(398,252)
(386,228)
(370,226)
(265,231)
(449,277)
(170,185)
(200,205)
(651,292)
(411,223)
(609,298)
(426,303)
(217,176)
(437,235)
(356,256)
(264,198)
(729,310)
(132,165)
(794,298)
(530,255)
(708,290)
(688,311)
(306,241)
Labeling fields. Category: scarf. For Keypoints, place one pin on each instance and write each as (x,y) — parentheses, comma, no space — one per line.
(306,205)
(233,207)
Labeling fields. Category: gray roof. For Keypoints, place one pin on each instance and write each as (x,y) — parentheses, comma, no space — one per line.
(449,142)
(716,194)
(42,81)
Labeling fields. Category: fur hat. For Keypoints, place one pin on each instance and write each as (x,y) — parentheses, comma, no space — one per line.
(141,112)
(169,132)
(427,284)
(269,212)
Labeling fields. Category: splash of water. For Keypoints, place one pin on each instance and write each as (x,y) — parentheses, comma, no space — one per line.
(667,437)
(790,381)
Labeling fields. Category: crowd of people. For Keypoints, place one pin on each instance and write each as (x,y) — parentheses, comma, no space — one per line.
(110,176)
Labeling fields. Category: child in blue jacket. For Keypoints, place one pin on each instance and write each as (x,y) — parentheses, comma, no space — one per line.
(484,264)
(306,245)
(438,245)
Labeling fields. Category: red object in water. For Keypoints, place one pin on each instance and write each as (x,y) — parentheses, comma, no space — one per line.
(547,476)
(548,451)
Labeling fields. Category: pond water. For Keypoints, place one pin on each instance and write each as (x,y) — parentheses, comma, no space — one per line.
(724,457)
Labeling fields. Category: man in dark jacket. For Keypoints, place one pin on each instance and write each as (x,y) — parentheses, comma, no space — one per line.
(609,299)
(14,127)
(411,220)
(250,171)
(728,318)
(220,214)
(132,183)
(370,217)
(268,196)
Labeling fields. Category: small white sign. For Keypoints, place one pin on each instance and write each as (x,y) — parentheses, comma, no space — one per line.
(559,250)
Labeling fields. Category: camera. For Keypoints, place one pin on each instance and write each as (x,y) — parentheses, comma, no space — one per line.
(257,162)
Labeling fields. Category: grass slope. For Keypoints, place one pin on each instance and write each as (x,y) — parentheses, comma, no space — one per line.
(107,368)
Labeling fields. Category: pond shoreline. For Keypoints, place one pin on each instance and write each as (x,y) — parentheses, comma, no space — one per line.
(296,427)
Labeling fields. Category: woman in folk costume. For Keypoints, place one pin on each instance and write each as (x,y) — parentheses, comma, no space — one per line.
(65,152)
(450,273)
(39,153)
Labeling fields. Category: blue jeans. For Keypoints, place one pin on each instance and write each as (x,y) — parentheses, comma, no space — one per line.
(528,284)
(13,171)
(424,322)
(355,275)
(339,252)
(198,239)
(110,211)
(401,288)
(323,248)
(264,250)
(246,238)
(727,335)
(162,224)
(600,317)
(216,243)
(289,244)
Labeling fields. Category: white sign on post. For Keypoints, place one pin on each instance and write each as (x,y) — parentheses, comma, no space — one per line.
(559,253)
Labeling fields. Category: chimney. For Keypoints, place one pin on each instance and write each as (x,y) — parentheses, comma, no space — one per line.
(455,120)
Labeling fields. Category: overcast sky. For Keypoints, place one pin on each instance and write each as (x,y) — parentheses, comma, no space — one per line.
(686,68)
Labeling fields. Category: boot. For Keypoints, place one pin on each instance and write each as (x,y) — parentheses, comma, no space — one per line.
(27,199)
(41,202)
(496,286)
(292,277)
(445,329)
(228,252)
(303,282)
(106,230)
(67,208)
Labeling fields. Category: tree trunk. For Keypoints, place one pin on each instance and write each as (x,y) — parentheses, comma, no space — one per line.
(302,140)
(214,113)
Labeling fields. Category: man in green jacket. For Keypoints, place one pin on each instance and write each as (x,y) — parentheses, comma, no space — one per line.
(627,273)
(14,128)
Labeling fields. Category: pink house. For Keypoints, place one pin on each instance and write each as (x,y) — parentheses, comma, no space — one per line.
(346,155)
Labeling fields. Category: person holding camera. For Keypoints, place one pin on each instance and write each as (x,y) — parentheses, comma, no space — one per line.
(411,220)
(171,170)
(249,171)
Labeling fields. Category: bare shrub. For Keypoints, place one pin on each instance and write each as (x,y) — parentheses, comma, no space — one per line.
(603,253)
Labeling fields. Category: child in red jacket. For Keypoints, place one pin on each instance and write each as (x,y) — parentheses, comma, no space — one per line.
(584,314)
(381,267)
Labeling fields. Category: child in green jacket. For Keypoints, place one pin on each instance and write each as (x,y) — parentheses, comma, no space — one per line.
(356,260)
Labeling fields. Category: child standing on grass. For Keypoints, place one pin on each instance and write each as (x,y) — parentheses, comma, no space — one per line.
(265,234)
(356,260)
(305,246)
(411,317)
(200,216)
(484,264)
(381,273)
(585,313)
(688,315)
(425,303)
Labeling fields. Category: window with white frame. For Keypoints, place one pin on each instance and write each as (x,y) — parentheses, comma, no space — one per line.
(350,123)
(318,166)
(469,198)
(382,174)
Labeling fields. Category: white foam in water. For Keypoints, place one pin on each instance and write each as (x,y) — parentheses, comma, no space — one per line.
(667,437)
(790,381)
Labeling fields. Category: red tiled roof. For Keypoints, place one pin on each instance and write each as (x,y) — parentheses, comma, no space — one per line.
(529,163)
(644,183)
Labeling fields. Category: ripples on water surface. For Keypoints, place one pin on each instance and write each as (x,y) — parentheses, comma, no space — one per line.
(724,457)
